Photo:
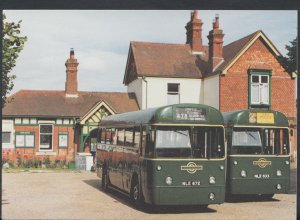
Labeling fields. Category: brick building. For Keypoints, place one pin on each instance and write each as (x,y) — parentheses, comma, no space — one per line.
(57,124)
(241,75)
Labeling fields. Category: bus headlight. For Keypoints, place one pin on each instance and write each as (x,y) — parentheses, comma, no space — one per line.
(211,196)
(243,173)
(287,162)
(212,180)
(278,173)
(221,167)
(169,180)
(158,167)
(235,162)
(278,186)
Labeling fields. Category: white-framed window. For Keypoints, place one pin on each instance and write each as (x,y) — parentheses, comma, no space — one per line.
(8,134)
(66,121)
(173,93)
(33,121)
(18,121)
(25,121)
(6,137)
(63,140)
(259,89)
(46,137)
(24,139)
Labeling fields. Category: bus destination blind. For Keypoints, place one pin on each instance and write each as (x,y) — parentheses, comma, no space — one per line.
(190,114)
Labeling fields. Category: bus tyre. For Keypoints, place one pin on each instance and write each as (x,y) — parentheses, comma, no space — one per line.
(136,195)
(104,180)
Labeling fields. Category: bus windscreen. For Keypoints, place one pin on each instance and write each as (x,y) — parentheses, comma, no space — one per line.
(259,141)
(191,142)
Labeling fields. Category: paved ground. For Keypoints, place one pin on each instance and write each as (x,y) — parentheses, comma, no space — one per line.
(74,195)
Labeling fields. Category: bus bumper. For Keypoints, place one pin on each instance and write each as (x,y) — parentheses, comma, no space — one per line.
(254,186)
(186,195)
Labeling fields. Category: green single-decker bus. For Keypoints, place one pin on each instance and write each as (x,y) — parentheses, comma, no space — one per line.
(170,155)
(258,160)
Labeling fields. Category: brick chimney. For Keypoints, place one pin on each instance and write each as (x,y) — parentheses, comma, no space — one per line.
(194,32)
(71,82)
(215,43)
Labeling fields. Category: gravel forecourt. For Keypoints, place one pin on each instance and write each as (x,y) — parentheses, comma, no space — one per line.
(78,195)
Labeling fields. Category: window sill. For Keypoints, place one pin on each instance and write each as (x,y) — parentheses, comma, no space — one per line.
(50,153)
(260,105)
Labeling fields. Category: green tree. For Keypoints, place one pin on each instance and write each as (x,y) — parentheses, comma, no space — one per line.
(12,45)
(290,61)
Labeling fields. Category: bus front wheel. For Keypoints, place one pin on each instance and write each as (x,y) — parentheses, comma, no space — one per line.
(135,194)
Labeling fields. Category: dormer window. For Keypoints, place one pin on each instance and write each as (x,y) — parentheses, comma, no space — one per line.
(259,88)
(173,93)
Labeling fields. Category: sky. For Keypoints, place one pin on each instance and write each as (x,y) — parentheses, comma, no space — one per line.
(101,40)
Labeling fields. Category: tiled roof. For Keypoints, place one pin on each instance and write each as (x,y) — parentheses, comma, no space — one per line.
(165,60)
(55,103)
(232,49)
(177,60)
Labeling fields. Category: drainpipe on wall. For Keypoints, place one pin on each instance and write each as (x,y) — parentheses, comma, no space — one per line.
(144,79)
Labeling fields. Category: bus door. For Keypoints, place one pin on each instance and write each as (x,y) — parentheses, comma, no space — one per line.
(116,165)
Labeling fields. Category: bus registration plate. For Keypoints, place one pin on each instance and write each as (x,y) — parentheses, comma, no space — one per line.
(191,183)
(262,176)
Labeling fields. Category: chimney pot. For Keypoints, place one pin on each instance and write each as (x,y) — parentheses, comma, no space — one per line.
(71,86)
(194,32)
(215,38)
(72,53)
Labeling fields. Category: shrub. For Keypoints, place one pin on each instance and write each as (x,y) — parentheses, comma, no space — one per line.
(10,162)
(19,161)
(47,162)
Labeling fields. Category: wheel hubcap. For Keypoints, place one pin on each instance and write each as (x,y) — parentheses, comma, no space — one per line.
(135,193)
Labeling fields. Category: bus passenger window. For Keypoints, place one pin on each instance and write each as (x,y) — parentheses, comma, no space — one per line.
(108,136)
(129,137)
(102,136)
(121,135)
(99,135)
(137,138)
(115,136)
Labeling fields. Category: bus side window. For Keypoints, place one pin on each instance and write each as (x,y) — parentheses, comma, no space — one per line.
(114,136)
(137,137)
(108,136)
(99,135)
(102,136)
(129,137)
(120,135)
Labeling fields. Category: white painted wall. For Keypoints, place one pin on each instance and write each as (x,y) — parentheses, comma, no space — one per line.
(211,91)
(8,126)
(157,91)
(136,87)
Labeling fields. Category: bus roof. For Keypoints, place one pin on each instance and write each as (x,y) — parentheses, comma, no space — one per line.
(255,117)
(178,113)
